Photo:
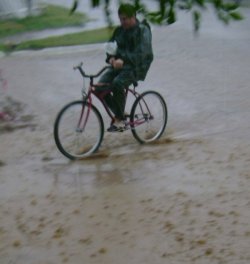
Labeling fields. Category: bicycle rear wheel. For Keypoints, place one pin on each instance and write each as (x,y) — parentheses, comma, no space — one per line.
(148,117)
(78,130)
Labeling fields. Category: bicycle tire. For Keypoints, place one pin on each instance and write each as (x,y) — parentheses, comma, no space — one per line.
(72,141)
(148,117)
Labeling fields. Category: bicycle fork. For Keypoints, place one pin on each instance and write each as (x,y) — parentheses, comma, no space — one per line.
(86,106)
(145,116)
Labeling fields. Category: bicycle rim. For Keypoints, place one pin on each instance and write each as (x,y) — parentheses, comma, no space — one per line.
(148,117)
(78,130)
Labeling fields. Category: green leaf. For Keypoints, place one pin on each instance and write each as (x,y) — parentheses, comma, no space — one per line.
(172,2)
(236,16)
(196,19)
(171,16)
(229,6)
(217,3)
(95,3)
(200,2)
(155,17)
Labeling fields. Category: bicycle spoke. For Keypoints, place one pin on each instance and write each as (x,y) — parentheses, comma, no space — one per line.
(78,133)
(148,117)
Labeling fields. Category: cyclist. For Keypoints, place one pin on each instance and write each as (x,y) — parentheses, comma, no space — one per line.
(130,62)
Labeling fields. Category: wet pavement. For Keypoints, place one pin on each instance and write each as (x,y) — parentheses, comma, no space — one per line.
(184,199)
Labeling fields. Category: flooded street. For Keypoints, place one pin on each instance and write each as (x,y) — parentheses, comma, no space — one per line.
(183,199)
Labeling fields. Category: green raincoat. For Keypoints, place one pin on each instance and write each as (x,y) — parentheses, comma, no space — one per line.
(134,48)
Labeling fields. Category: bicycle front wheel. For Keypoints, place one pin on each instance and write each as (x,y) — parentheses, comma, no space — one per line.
(148,117)
(78,130)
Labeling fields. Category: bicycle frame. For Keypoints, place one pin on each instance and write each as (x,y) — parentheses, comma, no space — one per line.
(100,95)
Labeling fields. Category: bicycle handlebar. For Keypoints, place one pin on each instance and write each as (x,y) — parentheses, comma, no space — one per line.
(79,67)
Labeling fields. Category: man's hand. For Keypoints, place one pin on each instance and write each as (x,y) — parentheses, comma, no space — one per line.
(117,64)
(111,60)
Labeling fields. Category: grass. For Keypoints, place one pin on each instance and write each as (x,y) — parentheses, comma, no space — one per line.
(86,37)
(51,17)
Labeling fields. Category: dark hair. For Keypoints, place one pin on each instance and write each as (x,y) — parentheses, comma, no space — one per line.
(127,10)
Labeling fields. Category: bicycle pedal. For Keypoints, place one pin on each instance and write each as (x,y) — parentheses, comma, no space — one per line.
(114,128)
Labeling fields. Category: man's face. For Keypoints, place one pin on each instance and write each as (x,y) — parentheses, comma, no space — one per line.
(127,22)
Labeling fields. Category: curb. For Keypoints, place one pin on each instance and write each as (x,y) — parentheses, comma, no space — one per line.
(55,51)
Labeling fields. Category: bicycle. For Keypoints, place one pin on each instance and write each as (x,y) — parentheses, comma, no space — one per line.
(79,126)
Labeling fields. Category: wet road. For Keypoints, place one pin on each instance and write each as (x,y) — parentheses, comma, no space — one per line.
(184,199)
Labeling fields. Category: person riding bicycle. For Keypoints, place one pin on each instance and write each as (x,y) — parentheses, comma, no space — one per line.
(130,61)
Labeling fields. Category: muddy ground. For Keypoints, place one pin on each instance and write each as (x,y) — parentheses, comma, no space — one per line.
(184,199)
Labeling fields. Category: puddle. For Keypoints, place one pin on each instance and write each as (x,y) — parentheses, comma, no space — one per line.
(14,115)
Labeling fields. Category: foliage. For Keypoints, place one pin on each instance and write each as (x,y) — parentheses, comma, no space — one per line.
(226,10)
